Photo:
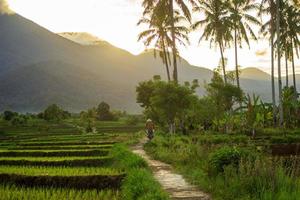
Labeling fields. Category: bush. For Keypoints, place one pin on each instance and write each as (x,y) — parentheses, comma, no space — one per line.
(223,157)
(19,120)
(9,115)
(132,120)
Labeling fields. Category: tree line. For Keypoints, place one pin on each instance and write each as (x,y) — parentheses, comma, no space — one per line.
(226,23)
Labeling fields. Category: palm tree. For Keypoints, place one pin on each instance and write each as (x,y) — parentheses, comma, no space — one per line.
(269,28)
(216,25)
(291,35)
(159,32)
(170,12)
(186,12)
(278,15)
(241,19)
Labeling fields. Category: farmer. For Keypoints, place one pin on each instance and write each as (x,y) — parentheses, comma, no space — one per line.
(150,128)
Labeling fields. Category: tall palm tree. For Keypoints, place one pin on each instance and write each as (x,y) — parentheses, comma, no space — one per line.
(159,31)
(186,12)
(157,34)
(239,11)
(278,15)
(291,35)
(216,25)
(168,6)
(269,28)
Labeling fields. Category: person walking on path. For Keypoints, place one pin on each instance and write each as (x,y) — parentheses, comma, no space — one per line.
(150,129)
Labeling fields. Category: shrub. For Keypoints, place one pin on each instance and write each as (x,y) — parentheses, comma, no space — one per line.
(19,120)
(225,156)
(9,115)
(132,120)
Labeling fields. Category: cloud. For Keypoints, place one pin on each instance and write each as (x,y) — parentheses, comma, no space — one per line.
(261,52)
(4,8)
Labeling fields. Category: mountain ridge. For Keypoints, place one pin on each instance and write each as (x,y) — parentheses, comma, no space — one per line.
(38,68)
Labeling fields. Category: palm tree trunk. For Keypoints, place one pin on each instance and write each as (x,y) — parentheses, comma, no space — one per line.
(223,62)
(273,79)
(175,72)
(166,59)
(279,64)
(286,70)
(236,60)
(294,74)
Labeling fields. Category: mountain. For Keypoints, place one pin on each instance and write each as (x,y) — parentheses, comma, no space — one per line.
(254,74)
(83,38)
(38,68)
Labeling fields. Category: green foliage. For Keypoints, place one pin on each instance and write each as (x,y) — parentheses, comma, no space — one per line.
(19,120)
(125,159)
(165,102)
(255,176)
(54,113)
(132,120)
(11,192)
(223,157)
(140,185)
(103,112)
(224,96)
(9,115)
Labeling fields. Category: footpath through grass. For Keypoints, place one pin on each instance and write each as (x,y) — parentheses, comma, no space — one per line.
(229,171)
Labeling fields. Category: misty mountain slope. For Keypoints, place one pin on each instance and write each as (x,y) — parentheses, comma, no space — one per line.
(38,68)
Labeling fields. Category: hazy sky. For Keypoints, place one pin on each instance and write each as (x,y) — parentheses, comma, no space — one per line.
(115,21)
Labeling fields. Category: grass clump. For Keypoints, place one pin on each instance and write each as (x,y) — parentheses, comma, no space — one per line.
(139,183)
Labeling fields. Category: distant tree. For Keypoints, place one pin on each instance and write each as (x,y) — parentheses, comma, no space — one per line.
(103,112)
(224,95)
(165,103)
(54,113)
(19,120)
(9,115)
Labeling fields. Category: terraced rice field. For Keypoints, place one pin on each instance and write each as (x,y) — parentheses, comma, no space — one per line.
(58,161)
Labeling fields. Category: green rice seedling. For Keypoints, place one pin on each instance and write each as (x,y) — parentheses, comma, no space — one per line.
(53,153)
(58,171)
(11,192)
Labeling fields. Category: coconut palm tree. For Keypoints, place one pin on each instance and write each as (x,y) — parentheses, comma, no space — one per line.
(278,17)
(242,20)
(182,4)
(157,34)
(159,31)
(170,12)
(216,25)
(291,35)
(268,7)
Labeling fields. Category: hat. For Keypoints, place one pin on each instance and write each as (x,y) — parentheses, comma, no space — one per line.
(149,120)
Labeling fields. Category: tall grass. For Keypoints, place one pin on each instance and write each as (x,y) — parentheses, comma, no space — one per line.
(261,179)
(139,183)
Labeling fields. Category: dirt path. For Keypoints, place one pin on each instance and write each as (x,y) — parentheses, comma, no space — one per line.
(173,183)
